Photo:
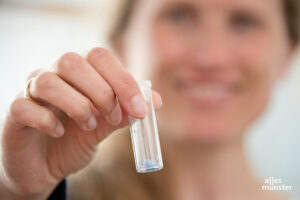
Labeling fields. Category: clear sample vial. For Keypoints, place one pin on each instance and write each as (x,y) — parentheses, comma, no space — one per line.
(144,135)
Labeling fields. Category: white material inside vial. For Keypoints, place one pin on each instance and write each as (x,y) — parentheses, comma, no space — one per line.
(144,135)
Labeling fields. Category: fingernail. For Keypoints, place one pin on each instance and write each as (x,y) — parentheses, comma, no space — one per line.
(139,106)
(91,124)
(59,130)
(116,115)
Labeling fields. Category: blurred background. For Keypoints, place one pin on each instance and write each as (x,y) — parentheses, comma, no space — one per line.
(33,33)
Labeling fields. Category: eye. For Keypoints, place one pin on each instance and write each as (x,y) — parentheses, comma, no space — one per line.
(180,15)
(244,21)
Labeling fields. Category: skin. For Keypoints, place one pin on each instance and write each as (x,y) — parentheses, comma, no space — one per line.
(215,63)
(234,51)
(204,43)
(59,134)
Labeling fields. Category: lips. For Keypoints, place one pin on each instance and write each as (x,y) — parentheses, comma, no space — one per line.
(207,93)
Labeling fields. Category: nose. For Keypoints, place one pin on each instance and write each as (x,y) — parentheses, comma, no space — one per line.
(212,50)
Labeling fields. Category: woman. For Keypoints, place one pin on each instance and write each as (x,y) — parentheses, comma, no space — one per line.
(213,62)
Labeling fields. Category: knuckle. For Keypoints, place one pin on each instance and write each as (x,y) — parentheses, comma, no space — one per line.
(17,107)
(44,81)
(108,94)
(126,79)
(68,62)
(81,112)
(99,52)
(106,99)
(46,122)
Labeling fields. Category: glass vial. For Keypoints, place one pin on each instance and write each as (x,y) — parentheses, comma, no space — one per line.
(144,135)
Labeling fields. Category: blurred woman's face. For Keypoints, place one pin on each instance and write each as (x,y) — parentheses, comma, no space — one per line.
(214,62)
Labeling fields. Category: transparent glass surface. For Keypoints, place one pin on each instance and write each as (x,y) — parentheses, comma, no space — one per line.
(144,136)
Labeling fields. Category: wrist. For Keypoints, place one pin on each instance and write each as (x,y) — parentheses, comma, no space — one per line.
(10,192)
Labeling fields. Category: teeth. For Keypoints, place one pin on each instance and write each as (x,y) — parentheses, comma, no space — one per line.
(208,91)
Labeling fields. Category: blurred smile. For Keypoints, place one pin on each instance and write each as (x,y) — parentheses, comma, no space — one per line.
(207,94)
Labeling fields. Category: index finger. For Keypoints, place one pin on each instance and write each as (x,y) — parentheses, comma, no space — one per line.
(121,81)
